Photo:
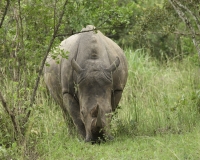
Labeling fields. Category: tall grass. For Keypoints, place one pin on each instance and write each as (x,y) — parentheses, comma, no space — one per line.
(160,98)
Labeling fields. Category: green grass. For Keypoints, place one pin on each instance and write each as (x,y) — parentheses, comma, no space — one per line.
(159,118)
(171,146)
(160,98)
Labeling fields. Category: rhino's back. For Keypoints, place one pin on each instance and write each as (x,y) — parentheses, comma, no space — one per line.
(83,47)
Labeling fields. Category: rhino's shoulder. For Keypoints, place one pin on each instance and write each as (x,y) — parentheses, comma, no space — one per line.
(70,42)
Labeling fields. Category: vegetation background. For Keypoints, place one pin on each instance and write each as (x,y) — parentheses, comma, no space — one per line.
(159,114)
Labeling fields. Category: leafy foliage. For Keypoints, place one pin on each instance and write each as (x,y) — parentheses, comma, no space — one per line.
(29,30)
(157,28)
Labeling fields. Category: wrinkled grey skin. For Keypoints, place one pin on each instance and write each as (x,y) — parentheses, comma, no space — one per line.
(89,84)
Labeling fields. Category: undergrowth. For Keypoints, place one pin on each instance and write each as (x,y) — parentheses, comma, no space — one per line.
(159,99)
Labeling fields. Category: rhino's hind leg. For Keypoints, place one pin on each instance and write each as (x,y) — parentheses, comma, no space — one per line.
(74,111)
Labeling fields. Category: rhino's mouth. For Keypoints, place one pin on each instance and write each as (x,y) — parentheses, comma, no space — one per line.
(97,133)
(98,136)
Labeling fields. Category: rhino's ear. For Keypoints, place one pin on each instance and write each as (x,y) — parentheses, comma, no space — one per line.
(76,67)
(114,65)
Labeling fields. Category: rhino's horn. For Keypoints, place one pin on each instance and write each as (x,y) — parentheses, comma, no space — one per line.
(75,66)
(114,65)
(99,122)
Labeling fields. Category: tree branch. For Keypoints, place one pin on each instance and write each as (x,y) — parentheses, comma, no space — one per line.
(184,18)
(10,114)
(67,34)
(5,12)
(95,29)
(193,15)
(178,33)
(43,61)
(185,34)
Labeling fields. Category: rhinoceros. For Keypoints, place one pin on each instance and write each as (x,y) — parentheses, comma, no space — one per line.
(89,84)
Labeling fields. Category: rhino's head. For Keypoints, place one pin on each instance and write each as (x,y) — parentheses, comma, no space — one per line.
(94,94)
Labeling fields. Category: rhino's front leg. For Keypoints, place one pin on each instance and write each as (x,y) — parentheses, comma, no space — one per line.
(74,111)
(116,96)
